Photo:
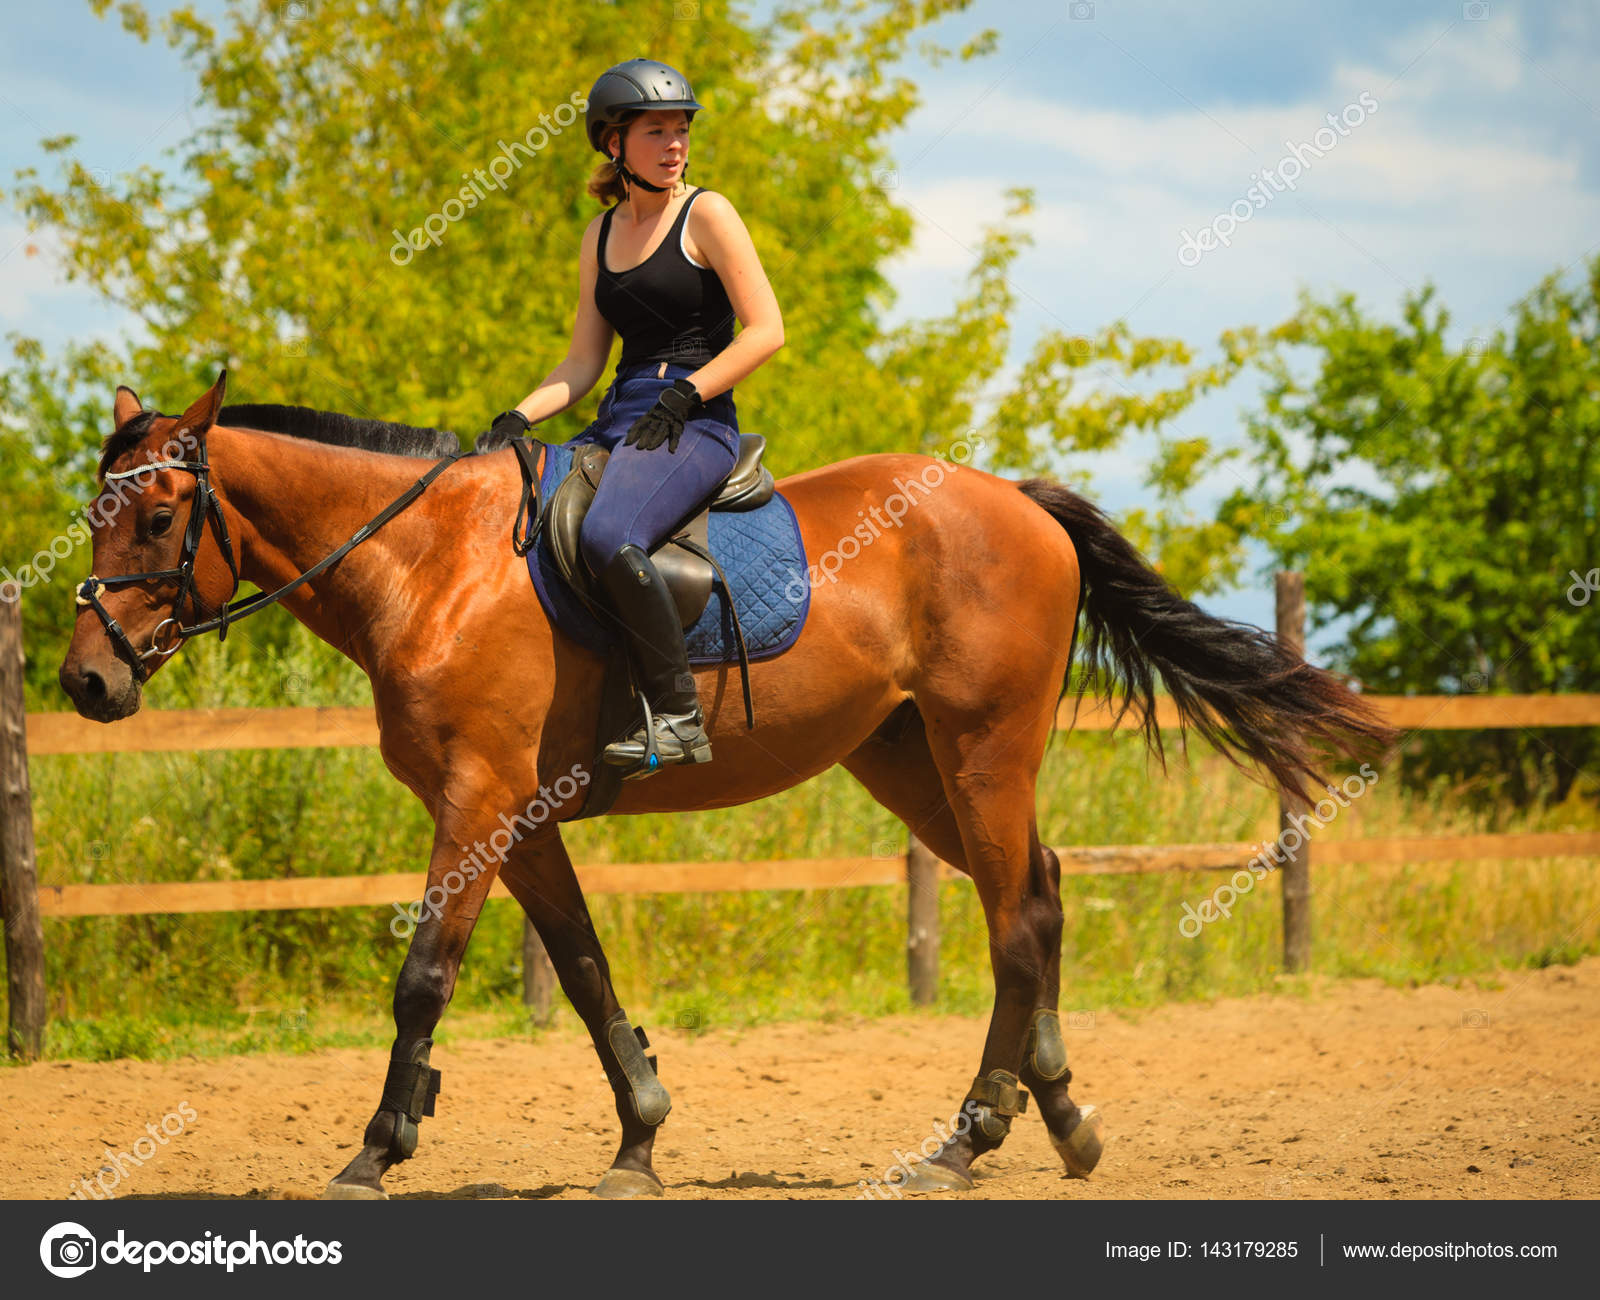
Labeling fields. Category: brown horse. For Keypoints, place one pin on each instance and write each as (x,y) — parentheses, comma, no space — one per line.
(931,667)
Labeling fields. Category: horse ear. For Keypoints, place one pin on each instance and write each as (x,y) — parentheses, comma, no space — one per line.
(126,406)
(199,418)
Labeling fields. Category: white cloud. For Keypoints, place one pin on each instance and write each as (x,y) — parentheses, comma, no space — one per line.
(1457,177)
(37,301)
(1395,155)
(1440,60)
(29,272)
(950,216)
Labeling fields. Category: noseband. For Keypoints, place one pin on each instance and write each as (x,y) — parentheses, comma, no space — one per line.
(205,504)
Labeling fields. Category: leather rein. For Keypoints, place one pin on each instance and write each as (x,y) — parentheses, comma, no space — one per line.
(204,505)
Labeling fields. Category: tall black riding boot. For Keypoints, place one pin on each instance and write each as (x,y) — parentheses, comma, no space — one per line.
(639,595)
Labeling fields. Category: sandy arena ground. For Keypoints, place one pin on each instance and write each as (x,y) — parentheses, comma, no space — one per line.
(1360,1091)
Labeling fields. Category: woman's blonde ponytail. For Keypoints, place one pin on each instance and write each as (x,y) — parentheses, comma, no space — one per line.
(606,185)
(605,182)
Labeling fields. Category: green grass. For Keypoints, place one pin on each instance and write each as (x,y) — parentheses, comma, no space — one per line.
(161,986)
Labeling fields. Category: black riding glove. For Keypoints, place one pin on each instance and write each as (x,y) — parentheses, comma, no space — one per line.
(508,426)
(664,421)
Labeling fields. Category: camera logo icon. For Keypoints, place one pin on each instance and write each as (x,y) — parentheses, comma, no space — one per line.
(67,1250)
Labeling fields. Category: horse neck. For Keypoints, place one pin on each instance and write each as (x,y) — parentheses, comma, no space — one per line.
(291,502)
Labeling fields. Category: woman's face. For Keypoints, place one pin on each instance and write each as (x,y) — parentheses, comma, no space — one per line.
(658,146)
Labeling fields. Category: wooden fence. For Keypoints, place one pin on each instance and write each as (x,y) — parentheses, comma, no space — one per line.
(24,903)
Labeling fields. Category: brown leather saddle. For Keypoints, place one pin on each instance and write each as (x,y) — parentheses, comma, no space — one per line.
(683,559)
(687,571)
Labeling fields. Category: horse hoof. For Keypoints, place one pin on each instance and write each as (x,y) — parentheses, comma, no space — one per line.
(626,1185)
(928,1177)
(353,1192)
(1080,1150)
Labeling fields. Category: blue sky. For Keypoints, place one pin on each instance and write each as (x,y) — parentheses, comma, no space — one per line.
(1135,121)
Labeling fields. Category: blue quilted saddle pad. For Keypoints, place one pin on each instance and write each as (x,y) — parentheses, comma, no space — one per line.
(759,550)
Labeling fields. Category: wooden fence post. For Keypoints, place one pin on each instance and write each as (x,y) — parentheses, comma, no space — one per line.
(1296,870)
(538,976)
(19,880)
(922,922)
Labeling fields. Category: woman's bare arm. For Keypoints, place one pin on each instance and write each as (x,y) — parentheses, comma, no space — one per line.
(585,362)
(718,234)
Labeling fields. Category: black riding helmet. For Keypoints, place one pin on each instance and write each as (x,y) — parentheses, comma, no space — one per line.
(635,87)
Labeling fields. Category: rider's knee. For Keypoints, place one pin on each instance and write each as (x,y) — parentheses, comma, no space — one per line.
(599,541)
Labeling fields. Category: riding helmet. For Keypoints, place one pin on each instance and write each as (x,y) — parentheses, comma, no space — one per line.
(632,87)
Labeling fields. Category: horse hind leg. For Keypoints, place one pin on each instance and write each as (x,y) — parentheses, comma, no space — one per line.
(896,767)
(1075,1132)
(989,771)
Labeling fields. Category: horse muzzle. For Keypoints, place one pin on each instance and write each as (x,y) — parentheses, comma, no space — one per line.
(104,691)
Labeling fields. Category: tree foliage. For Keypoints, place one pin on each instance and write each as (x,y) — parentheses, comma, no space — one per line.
(1441,500)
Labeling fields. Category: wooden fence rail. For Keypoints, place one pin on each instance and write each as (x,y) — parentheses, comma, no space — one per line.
(154,898)
(152,731)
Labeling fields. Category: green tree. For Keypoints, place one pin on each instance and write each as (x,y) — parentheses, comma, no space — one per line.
(47,460)
(1440,500)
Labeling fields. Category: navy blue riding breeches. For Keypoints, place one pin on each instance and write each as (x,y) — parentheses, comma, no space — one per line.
(643,495)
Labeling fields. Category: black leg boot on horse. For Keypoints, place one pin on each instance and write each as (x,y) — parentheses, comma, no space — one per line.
(673,728)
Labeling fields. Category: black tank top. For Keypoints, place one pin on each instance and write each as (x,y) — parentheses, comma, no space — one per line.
(667,308)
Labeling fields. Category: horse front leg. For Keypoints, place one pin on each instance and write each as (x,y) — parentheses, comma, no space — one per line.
(458,883)
(539,875)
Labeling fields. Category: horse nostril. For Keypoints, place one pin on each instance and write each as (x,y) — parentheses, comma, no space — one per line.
(94,685)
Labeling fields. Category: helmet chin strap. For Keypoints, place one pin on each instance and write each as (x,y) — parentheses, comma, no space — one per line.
(630,179)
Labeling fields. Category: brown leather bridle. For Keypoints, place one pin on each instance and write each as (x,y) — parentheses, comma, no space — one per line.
(204,505)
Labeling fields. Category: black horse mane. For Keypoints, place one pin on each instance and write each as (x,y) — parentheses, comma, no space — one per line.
(341,430)
(302,422)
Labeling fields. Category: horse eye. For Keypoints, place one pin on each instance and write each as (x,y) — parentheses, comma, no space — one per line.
(160,524)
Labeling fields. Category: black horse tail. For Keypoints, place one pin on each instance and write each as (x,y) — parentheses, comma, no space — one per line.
(1250,696)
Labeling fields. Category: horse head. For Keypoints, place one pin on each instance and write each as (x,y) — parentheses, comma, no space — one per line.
(154,558)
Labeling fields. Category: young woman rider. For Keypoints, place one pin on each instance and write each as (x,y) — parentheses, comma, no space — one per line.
(668,267)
